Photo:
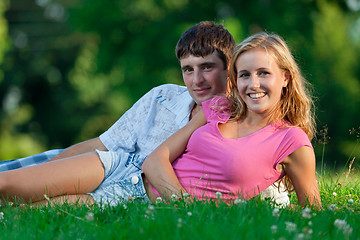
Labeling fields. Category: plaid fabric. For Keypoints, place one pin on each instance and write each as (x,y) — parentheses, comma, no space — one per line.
(29,161)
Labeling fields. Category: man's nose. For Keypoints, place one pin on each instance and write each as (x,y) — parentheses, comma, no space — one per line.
(198,77)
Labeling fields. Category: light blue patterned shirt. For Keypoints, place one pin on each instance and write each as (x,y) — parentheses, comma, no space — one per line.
(150,121)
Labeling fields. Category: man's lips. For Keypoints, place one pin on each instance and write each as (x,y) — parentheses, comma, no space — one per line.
(201,91)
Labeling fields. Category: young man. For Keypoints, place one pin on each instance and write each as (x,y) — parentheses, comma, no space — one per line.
(204,53)
(164,109)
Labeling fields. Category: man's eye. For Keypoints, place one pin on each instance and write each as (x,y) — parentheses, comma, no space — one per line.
(187,70)
(207,67)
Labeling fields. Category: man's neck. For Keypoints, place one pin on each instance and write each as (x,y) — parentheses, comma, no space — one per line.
(195,109)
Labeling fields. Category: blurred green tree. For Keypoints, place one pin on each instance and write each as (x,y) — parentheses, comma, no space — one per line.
(76,66)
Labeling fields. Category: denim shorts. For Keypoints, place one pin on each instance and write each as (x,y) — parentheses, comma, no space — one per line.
(123,181)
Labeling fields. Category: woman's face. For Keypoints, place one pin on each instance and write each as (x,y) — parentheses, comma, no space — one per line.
(260,81)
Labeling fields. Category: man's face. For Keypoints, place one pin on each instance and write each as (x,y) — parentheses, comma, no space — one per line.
(204,77)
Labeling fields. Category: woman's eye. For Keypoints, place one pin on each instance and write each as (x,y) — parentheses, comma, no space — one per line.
(264,73)
(243,75)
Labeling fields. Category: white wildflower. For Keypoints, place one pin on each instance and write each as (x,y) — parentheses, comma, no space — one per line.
(342,225)
(218,194)
(350,201)
(186,195)
(307,231)
(179,223)
(334,194)
(348,230)
(300,236)
(306,213)
(158,200)
(90,216)
(276,212)
(273,229)
(174,197)
(151,207)
(290,227)
(1,216)
(124,206)
(239,201)
(189,213)
(333,207)
(310,223)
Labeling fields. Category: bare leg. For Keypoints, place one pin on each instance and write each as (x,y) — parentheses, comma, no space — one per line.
(71,199)
(69,176)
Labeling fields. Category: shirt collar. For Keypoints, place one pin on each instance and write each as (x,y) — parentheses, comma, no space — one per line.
(181,105)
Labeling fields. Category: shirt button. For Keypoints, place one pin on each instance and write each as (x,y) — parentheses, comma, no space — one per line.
(134,180)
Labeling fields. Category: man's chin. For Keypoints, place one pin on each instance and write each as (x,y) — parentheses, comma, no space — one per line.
(204,98)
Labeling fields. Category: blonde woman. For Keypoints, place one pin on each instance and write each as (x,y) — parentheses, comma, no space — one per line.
(259,133)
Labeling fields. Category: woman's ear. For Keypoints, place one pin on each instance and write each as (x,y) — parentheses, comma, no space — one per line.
(286,78)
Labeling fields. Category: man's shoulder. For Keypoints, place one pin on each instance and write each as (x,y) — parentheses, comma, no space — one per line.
(169,89)
(170,92)
(173,97)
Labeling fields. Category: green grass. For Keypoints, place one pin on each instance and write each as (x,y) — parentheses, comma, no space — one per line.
(254,219)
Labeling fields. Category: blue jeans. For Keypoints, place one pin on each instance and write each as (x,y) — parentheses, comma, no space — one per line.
(122,181)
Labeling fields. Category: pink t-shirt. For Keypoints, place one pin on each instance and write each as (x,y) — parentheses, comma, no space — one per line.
(237,168)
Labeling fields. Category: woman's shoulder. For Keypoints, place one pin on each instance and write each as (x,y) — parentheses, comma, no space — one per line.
(292,133)
(217,108)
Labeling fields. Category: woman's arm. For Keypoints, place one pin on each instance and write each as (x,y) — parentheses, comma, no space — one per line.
(300,167)
(157,166)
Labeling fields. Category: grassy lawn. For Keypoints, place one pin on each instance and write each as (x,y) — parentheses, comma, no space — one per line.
(254,219)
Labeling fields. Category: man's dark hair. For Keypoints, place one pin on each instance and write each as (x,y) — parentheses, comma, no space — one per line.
(205,38)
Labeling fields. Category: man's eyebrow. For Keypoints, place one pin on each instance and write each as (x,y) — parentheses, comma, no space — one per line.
(208,63)
(185,67)
(201,64)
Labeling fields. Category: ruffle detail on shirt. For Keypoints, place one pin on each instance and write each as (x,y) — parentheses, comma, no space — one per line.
(217,109)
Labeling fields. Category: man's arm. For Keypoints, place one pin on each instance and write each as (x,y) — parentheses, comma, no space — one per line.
(122,134)
(80,148)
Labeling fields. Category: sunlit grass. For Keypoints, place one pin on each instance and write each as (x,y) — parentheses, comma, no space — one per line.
(254,219)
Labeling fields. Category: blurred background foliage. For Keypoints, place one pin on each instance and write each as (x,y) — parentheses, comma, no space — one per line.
(69,69)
